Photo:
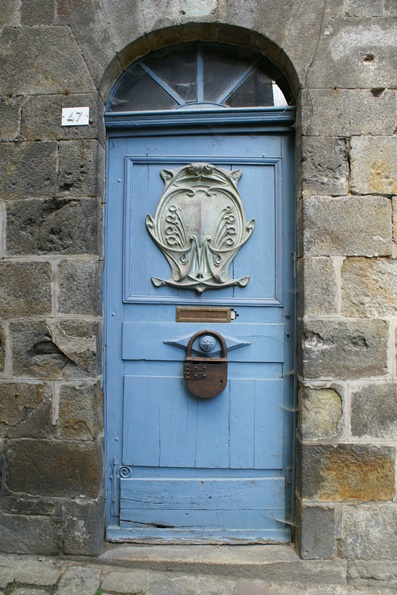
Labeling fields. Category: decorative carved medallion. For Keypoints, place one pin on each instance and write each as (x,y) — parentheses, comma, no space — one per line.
(200,225)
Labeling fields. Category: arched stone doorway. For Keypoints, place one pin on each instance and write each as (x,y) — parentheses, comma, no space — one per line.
(200,176)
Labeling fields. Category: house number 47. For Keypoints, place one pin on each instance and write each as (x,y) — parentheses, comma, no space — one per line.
(75,116)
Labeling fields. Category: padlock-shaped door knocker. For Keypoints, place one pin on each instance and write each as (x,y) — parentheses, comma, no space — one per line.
(206,377)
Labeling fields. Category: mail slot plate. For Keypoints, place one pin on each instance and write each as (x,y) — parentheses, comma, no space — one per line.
(197,314)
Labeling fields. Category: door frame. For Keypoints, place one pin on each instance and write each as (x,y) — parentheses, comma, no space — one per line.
(245,121)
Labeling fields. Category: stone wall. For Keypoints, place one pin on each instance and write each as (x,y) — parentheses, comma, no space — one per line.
(340,58)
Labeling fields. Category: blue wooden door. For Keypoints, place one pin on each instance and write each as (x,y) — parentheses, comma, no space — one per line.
(181,468)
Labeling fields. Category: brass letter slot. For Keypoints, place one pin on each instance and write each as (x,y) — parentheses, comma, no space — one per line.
(197,314)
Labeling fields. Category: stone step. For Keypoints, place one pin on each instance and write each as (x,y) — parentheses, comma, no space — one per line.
(272,563)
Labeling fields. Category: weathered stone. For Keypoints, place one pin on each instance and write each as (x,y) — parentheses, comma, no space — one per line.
(41,117)
(320,286)
(79,287)
(344,112)
(29,535)
(239,13)
(83,527)
(369,532)
(390,8)
(374,165)
(126,582)
(90,28)
(364,8)
(374,411)
(10,115)
(79,580)
(26,570)
(25,288)
(42,57)
(394,204)
(25,410)
(67,226)
(370,573)
(28,591)
(55,350)
(79,164)
(345,349)
(356,54)
(164,586)
(320,413)
(28,505)
(125,22)
(52,468)
(348,226)
(2,349)
(37,12)
(369,287)
(347,472)
(317,533)
(9,14)
(80,409)
(325,169)
(28,169)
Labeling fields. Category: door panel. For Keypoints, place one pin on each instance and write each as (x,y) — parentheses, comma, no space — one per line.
(181,467)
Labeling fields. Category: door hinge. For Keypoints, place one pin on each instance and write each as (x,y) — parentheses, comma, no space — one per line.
(288,326)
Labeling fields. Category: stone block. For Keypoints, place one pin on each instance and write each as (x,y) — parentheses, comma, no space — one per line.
(316,533)
(374,165)
(269,18)
(2,348)
(83,527)
(364,8)
(347,226)
(371,573)
(9,14)
(325,169)
(42,57)
(29,535)
(79,164)
(344,349)
(344,472)
(25,410)
(25,289)
(369,532)
(55,225)
(358,53)
(122,582)
(29,170)
(374,411)
(44,573)
(10,115)
(319,278)
(320,413)
(79,580)
(80,412)
(390,8)
(54,468)
(68,349)
(125,22)
(41,117)
(37,12)
(345,112)
(90,28)
(30,506)
(161,14)
(79,287)
(369,287)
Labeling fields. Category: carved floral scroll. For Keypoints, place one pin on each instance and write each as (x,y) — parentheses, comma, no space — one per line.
(200,225)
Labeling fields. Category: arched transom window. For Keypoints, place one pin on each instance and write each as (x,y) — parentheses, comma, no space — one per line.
(199,76)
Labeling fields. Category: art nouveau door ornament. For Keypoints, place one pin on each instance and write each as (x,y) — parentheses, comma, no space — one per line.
(200,225)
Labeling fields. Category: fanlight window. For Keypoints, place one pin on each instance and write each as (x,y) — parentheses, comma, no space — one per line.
(199,77)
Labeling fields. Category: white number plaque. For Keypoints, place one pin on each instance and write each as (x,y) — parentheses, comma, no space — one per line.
(75,116)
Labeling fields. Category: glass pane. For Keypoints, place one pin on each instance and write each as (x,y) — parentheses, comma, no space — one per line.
(221,67)
(137,91)
(256,90)
(178,69)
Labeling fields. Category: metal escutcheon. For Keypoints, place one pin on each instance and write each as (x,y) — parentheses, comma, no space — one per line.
(206,377)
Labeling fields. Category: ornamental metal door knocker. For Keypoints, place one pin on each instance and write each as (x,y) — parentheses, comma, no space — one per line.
(200,225)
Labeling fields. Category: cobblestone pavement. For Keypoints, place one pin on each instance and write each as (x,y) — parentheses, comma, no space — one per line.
(28,575)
